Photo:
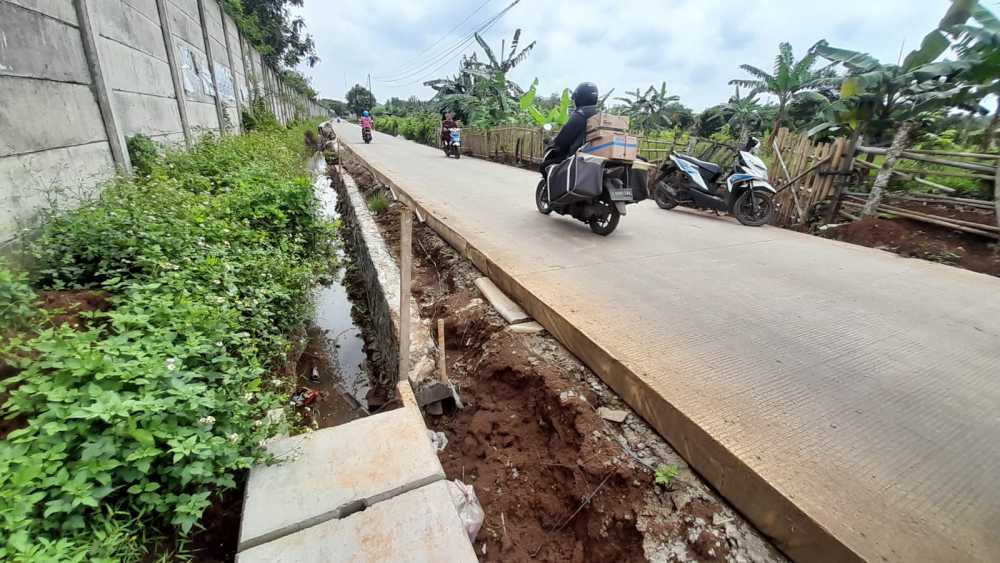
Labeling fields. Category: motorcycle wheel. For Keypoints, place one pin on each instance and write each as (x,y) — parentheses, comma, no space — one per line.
(607,222)
(542,199)
(743,209)
(662,197)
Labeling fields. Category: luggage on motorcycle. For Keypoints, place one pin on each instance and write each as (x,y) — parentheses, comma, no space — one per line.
(636,180)
(578,178)
(607,123)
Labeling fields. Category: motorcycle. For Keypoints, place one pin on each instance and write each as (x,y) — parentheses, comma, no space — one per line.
(614,185)
(366,134)
(746,192)
(453,145)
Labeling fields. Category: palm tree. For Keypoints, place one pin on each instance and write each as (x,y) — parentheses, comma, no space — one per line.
(743,115)
(649,110)
(789,78)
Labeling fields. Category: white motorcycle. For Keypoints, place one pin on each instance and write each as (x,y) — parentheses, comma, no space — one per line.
(746,192)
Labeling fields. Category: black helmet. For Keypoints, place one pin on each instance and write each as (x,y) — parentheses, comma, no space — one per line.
(585,94)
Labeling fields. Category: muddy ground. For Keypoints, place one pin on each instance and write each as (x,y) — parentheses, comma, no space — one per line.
(916,239)
(557,481)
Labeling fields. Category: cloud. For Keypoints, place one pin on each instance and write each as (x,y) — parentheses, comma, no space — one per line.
(696,46)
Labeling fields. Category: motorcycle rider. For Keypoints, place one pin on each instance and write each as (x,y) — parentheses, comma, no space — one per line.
(366,121)
(446,125)
(572,135)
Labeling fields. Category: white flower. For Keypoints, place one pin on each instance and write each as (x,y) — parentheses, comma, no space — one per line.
(234,437)
(171,364)
(248,397)
(218,344)
(276,382)
(220,299)
(258,423)
(208,421)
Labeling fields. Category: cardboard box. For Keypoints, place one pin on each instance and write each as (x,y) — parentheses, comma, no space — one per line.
(607,122)
(616,146)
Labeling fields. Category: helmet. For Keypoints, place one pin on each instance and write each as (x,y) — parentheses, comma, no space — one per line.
(585,94)
(365,113)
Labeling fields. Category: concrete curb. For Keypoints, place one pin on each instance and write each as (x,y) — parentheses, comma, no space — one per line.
(381,275)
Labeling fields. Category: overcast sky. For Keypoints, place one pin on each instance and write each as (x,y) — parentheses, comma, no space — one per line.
(695,46)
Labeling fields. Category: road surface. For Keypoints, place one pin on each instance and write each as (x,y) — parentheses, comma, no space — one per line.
(847,400)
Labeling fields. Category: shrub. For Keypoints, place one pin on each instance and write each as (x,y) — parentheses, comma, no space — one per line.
(378,203)
(143,153)
(160,402)
(257,116)
(420,128)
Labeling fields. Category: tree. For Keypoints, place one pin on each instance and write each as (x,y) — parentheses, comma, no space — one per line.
(280,38)
(359,99)
(650,110)
(743,114)
(789,78)
(902,93)
(298,82)
(336,106)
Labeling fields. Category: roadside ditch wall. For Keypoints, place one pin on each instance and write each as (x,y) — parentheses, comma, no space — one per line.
(380,274)
(78,77)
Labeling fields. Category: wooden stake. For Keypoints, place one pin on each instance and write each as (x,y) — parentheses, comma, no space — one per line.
(442,364)
(405,266)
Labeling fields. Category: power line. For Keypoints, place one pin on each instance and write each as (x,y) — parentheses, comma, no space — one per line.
(440,39)
(461,45)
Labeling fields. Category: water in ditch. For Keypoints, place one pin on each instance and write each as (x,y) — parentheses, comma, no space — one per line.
(334,363)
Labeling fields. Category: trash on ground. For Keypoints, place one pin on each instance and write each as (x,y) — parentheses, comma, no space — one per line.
(469,510)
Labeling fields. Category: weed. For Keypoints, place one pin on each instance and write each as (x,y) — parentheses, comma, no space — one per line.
(143,153)
(378,203)
(666,474)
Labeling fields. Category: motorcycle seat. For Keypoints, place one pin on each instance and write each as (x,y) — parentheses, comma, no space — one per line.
(713,169)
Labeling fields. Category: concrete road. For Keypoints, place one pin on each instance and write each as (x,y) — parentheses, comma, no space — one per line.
(845,399)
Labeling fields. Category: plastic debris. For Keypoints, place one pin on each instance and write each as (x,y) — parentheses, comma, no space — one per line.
(469,510)
(438,440)
(304,396)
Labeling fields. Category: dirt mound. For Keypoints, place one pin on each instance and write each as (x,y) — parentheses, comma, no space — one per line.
(915,239)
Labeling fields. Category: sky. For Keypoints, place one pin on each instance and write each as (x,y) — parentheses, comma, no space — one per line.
(695,46)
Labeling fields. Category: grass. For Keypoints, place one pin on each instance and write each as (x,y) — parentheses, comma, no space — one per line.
(378,203)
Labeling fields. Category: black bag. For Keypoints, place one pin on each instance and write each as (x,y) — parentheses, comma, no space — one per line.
(578,178)
(636,180)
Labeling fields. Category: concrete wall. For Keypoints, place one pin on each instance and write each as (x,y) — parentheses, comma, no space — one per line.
(78,77)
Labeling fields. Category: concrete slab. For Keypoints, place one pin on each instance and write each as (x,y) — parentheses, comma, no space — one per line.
(842,398)
(530,327)
(334,472)
(510,311)
(421,526)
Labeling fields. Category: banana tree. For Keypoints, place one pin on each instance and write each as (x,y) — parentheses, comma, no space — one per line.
(875,93)
(649,110)
(557,116)
(788,79)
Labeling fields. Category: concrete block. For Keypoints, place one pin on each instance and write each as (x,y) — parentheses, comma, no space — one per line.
(186,27)
(126,24)
(510,311)
(150,115)
(39,47)
(135,71)
(58,9)
(63,176)
(421,526)
(213,20)
(334,472)
(530,327)
(31,125)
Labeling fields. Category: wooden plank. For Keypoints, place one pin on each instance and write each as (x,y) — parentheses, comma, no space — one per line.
(405,270)
(919,157)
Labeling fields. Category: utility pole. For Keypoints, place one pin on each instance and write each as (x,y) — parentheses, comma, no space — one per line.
(371,95)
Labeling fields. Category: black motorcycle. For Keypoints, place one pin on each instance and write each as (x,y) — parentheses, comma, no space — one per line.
(591,189)
(366,134)
(690,182)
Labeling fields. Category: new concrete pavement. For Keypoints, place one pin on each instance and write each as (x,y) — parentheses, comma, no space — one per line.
(845,399)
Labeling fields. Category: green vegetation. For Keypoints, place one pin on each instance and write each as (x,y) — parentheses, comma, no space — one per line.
(359,99)
(142,151)
(279,37)
(130,421)
(424,128)
(666,474)
(378,203)
(257,116)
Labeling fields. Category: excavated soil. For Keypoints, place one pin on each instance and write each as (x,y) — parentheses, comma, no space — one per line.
(557,481)
(915,239)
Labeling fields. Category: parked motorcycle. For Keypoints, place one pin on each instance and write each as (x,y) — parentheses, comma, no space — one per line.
(366,134)
(453,146)
(591,189)
(746,192)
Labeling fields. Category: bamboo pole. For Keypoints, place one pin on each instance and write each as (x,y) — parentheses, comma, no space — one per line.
(962,222)
(926,219)
(906,176)
(921,158)
(957,154)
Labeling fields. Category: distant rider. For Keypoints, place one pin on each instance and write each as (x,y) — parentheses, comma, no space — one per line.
(572,135)
(447,125)
(366,121)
